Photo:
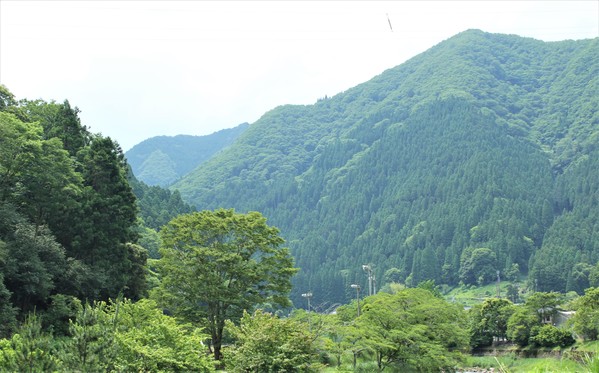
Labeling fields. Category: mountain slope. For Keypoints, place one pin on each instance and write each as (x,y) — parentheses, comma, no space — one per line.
(161,160)
(457,149)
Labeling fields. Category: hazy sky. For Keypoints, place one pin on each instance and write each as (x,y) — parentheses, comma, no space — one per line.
(140,69)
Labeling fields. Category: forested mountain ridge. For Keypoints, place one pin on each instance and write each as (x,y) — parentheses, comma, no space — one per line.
(468,159)
(162,160)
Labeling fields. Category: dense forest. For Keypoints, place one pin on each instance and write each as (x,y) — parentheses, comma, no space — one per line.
(474,160)
(68,212)
(470,158)
(73,217)
(78,236)
(162,160)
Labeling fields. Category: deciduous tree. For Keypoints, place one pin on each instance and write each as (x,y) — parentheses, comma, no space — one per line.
(520,324)
(586,319)
(217,264)
(412,330)
(489,320)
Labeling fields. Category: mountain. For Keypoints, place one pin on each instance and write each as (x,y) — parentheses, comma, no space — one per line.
(162,160)
(476,156)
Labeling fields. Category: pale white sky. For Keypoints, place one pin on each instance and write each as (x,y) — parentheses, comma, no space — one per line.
(138,69)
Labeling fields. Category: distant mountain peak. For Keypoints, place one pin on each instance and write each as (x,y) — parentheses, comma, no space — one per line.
(162,160)
(470,158)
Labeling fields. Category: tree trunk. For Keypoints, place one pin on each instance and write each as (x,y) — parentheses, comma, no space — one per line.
(217,339)
(216,345)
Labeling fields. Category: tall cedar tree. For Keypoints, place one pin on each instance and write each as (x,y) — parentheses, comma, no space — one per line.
(106,221)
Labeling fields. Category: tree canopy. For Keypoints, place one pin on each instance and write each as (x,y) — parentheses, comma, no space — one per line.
(68,221)
(217,264)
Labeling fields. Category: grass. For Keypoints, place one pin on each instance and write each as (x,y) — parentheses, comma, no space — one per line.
(511,364)
(503,364)
(508,363)
(545,365)
(588,346)
(471,295)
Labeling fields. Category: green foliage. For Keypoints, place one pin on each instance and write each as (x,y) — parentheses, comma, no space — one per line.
(513,293)
(478,266)
(591,363)
(266,343)
(513,273)
(479,337)
(431,287)
(149,341)
(149,239)
(92,346)
(471,295)
(412,330)
(586,320)
(216,264)
(525,326)
(8,320)
(62,309)
(158,169)
(157,206)
(59,121)
(564,262)
(20,142)
(489,320)
(409,330)
(520,325)
(335,338)
(29,350)
(32,263)
(88,205)
(106,222)
(67,213)
(393,275)
(594,276)
(7,99)
(478,156)
(109,337)
(544,304)
(509,363)
(551,336)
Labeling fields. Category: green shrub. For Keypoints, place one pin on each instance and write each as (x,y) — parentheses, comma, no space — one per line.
(551,336)
(62,309)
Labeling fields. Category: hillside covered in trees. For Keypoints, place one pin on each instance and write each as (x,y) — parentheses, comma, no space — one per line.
(162,160)
(474,157)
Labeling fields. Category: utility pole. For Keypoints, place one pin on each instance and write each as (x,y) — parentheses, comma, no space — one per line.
(497,287)
(308,295)
(371,279)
